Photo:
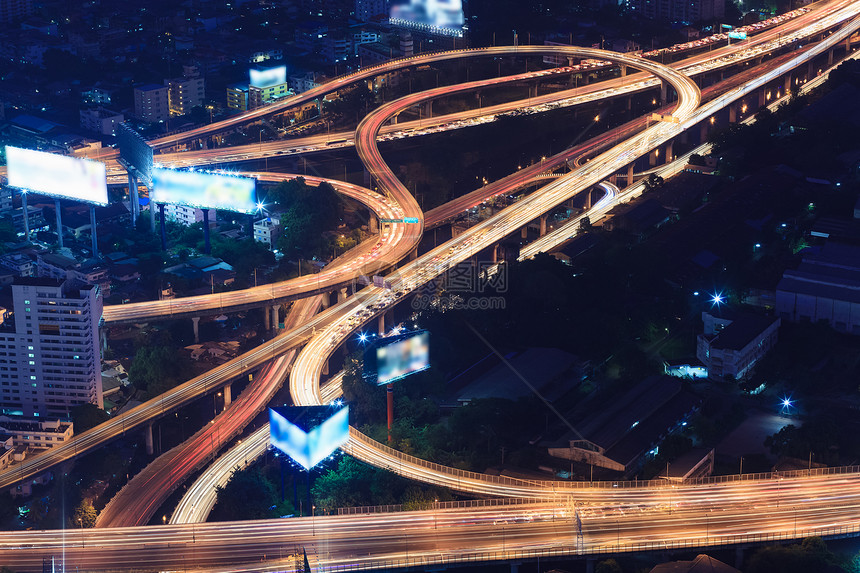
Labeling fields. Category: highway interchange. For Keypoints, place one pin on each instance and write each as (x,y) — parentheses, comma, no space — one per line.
(328,329)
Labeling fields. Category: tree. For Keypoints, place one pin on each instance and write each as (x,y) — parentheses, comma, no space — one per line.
(811,555)
(86,416)
(249,495)
(696,159)
(308,213)
(608,566)
(355,484)
(653,182)
(244,256)
(156,369)
(85,514)
(8,507)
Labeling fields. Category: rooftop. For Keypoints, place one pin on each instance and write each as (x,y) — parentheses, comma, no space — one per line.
(743,330)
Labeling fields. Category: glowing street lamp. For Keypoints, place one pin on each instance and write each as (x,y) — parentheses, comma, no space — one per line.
(717,299)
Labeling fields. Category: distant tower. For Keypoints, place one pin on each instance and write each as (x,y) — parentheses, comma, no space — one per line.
(406,46)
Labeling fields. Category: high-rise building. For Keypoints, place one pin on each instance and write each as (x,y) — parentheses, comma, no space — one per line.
(369,10)
(11,10)
(184,94)
(688,11)
(49,348)
(150,103)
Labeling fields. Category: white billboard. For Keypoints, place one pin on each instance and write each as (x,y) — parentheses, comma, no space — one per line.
(268,77)
(204,190)
(56,175)
(435,16)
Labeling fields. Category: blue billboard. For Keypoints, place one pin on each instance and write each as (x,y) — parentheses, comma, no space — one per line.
(309,434)
(204,190)
(396,357)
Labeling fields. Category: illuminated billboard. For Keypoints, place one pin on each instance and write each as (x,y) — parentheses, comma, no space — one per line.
(397,357)
(56,175)
(309,434)
(204,190)
(434,16)
(268,77)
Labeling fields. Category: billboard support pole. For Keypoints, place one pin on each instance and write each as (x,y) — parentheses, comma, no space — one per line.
(133,198)
(163,227)
(390,396)
(26,216)
(93,231)
(207,248)
(59,222)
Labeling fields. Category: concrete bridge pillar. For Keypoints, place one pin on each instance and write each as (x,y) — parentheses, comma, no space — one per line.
(613,178)
(228,395)
(733,113)
(652,157)
(829,57)
(195,321)
(664,91)
(533,91)
(324,371)
(787,83)
(147,435)
(762,102)
(373,224)
(427,109)
(630,175)
(623,70)
(275,308)
(380,324)
(524,232)
(413,254)
(394,120)
(810,70)
(703,131)
(588,203)
(669,152)
(267,324)
(341,295)
(543,224)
